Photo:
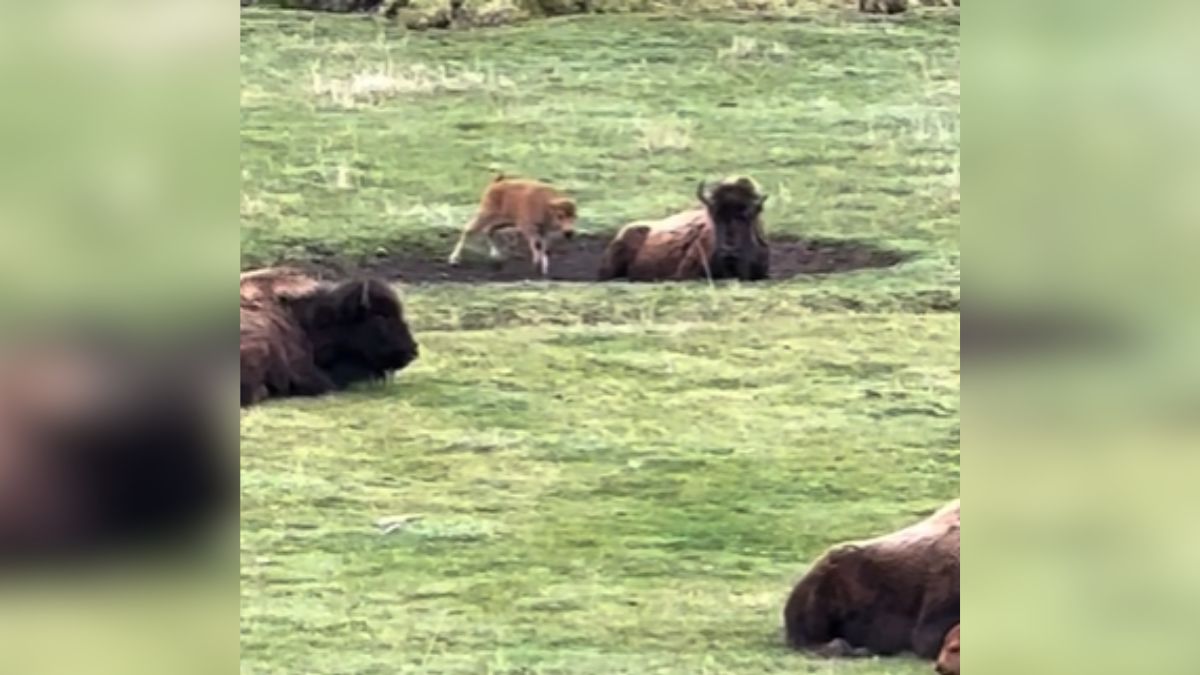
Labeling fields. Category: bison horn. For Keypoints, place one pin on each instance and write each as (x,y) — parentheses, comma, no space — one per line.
(701,196)
(366,297)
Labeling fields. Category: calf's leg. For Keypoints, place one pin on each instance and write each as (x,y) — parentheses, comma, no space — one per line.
(537,248)
(479,223)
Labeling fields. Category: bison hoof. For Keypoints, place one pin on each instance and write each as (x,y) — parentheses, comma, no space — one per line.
(840,648)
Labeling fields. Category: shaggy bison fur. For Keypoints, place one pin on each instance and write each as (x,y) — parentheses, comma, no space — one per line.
(535,209)
(891,594)
(721,239)
(301,337)
(947,660)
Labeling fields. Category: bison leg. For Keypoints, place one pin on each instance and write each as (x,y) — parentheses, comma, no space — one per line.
(480,223)
(758,272)
(494,251)
(456,254)
(939,613)
(473,226)
(621,252)
(310,381)
(541,261)
(839,648)
(809,613)
(614,263)
(253,394)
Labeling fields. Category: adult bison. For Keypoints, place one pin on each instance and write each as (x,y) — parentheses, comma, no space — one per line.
(301,337)
(891,594)
(720,239)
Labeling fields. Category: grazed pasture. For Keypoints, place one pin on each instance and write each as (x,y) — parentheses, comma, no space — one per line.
(589,478)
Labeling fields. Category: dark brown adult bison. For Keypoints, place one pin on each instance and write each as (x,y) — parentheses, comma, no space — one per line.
(302,337)
(720,239)
(895,593)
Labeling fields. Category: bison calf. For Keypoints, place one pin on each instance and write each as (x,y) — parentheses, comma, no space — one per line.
(947,661)
(721,239)
(300,337)
(535,209)
(891,594)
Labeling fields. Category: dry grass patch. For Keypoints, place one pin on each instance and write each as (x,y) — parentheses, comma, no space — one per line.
(742,47)
(378,85)
(665,134)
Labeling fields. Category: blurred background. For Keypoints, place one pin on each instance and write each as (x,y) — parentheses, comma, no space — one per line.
(118,224)
(1081,385)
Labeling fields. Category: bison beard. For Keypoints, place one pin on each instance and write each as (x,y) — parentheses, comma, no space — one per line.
(315,339)
(892,594)
(722,240)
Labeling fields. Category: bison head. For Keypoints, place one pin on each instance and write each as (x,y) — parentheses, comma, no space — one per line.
(734,207)
(563,212)
(357,330)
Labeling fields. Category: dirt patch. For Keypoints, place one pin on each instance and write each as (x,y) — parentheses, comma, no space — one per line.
(579,260)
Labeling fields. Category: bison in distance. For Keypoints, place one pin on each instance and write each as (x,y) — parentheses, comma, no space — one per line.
(721,239)
(301,337)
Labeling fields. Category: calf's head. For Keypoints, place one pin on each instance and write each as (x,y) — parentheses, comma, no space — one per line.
(734,206)
(563,214)
(357,330)
(947,662)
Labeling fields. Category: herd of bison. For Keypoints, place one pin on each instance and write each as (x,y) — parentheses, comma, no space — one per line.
(301,336)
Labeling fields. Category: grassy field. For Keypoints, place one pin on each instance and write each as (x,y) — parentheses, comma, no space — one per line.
(594,478)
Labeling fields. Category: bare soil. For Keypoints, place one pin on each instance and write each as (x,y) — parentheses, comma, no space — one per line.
(579,259)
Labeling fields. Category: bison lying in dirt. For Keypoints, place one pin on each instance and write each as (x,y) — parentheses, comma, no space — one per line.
(535,209)
(301,337)
(891,594)
(721,239)
(947,661)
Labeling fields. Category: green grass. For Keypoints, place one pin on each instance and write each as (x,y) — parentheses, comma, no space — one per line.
(602,479)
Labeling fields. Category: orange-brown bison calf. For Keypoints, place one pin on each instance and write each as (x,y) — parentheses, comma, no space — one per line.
(895,593)
(947,661)
(721,239)
(301,337)
(535,209)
